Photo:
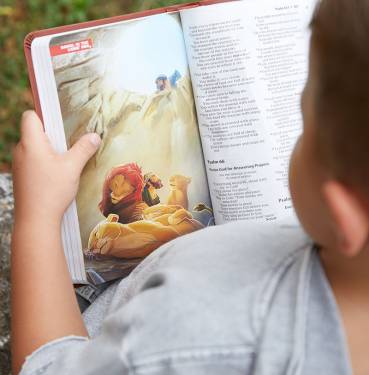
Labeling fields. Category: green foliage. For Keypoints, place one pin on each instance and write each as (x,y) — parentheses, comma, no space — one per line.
(17,19)
(151,4)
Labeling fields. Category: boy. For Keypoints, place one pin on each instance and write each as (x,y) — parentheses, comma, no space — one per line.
(232,299)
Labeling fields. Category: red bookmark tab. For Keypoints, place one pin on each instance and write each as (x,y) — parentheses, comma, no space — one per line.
(71,47)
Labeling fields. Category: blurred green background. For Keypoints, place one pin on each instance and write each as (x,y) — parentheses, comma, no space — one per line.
(17,19)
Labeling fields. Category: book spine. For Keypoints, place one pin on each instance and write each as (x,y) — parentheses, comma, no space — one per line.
(31,74)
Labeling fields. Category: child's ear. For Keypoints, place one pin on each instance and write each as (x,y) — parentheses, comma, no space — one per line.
(349,215)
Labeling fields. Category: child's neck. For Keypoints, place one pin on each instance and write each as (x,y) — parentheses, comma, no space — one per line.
(351,274)
(349,279)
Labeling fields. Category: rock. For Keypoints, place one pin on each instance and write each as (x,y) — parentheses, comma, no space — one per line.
(6,221)
(90,67)
(79,79)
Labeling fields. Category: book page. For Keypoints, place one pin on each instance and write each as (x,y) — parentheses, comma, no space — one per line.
(147,184)
(248,62)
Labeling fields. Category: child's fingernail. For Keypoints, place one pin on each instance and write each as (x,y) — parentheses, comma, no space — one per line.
(95,139)
(28,114)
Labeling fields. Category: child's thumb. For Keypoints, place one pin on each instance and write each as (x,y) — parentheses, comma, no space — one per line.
(84,149)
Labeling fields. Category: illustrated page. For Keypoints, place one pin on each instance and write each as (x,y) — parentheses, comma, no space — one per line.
(248,62)
(147,184)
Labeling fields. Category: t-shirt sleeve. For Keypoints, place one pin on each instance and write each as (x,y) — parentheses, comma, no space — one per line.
(42,358)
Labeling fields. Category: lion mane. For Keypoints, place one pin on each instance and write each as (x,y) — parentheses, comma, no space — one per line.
(133,173)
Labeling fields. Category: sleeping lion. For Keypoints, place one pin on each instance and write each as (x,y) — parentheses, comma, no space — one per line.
(161,223)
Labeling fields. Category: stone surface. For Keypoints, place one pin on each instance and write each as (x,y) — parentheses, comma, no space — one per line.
(6,220)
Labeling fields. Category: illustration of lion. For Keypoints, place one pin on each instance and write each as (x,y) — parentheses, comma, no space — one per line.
(160,224)
(122,193)
(178,190)
(136,222)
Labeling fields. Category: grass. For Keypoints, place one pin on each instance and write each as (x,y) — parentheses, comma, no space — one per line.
(17,19)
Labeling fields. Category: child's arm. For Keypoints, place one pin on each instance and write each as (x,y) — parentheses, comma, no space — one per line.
(44,306)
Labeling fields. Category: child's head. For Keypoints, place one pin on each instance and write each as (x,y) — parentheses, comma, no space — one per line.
(329,172)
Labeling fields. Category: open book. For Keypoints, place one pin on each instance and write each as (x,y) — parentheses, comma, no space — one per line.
(198,110)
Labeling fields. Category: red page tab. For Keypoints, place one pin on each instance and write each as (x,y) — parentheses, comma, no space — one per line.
(71,47)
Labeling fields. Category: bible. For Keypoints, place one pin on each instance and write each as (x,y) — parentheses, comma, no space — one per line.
(198,109)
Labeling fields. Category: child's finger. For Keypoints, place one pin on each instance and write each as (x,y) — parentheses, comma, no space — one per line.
(84,149)
(31,128)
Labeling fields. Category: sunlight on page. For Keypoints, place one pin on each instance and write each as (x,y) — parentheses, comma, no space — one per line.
(155,46)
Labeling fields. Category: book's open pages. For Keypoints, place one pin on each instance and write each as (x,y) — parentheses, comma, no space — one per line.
(248,64)
(172,157)
(53,124)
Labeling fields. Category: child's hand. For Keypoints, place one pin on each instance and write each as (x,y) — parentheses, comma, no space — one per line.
(46,182)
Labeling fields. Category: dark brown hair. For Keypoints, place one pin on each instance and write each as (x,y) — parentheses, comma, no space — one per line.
(340,43)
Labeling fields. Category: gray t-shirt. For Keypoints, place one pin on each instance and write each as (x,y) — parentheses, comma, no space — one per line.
(239,298)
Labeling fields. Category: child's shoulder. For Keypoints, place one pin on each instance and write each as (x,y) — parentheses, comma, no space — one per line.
(245,250)
(216,280)
(252,247)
